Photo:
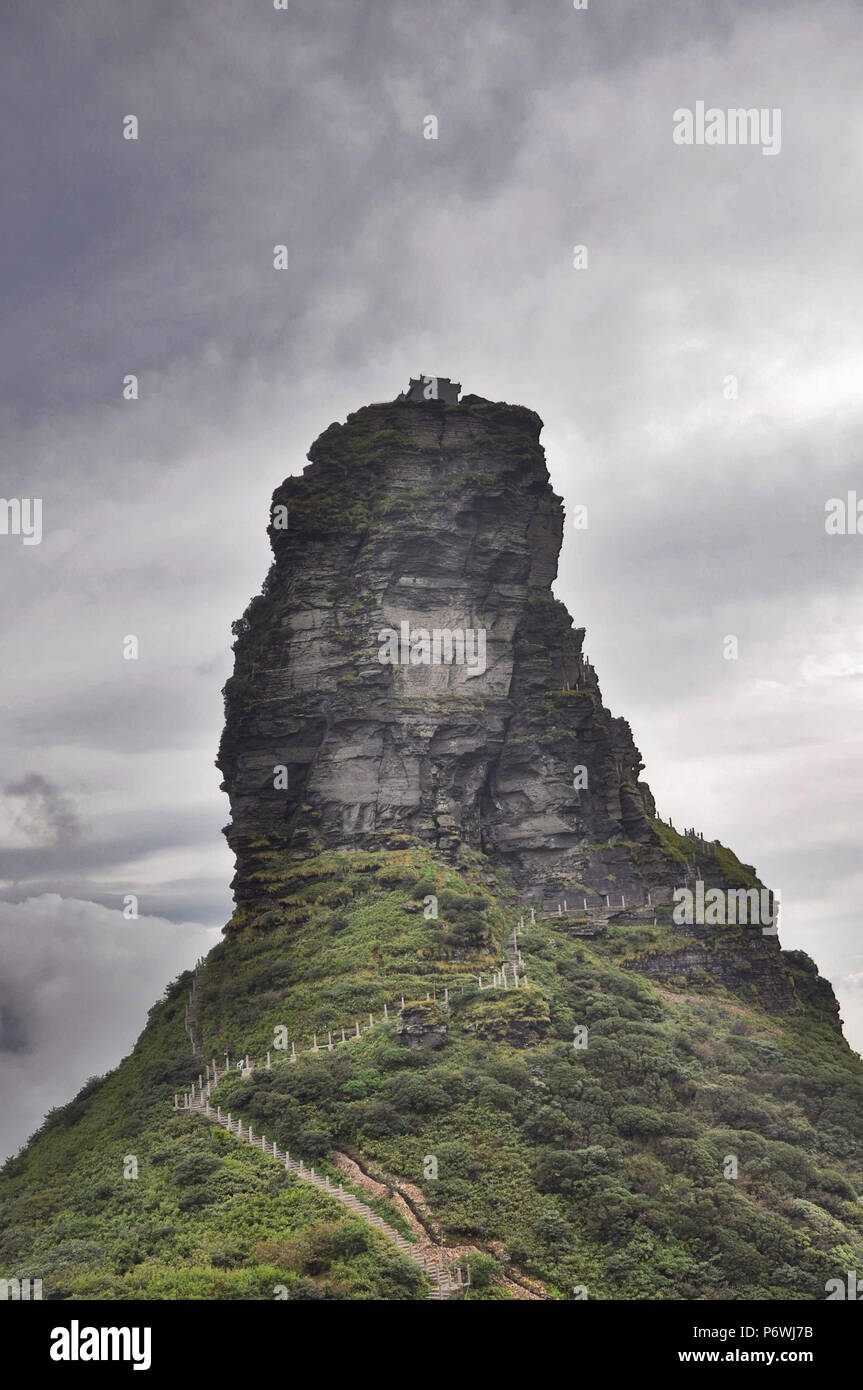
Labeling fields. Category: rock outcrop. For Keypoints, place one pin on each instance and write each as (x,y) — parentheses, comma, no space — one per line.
(438,517)
(422,1027)
(344,732)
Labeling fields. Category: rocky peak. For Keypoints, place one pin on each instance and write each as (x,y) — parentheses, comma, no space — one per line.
(407,675)
(417,518)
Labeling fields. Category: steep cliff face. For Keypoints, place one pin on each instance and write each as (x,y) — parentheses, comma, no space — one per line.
(416,517)
(435,517)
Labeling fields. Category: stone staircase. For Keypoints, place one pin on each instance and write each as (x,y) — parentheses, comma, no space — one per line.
(446,1282)
(190,1017)
(442,988)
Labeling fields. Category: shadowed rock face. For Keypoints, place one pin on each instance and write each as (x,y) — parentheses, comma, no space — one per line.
(434,516)
(437,517)
(419,1032)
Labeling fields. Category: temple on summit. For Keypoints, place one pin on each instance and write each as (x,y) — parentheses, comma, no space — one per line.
(431,388)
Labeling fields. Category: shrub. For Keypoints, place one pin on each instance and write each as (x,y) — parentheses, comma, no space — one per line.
(304,1290)
(194,1168)
(483,1270)
(193,1198)
(557,1170)
(315,1142)
(634,1120)
(226,1257)
(552,1232)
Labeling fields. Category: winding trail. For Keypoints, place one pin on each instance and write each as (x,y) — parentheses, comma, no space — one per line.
(447,1281)
(445,1285)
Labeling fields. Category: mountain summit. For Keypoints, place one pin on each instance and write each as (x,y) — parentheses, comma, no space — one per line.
(482,1025)
(409,669)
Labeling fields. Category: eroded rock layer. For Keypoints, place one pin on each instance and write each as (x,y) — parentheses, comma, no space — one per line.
(414,517)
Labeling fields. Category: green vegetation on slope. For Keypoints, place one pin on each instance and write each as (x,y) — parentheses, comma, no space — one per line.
(205,1218)
(601,1167)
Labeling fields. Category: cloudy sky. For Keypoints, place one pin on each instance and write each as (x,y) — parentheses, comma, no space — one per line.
(453,256)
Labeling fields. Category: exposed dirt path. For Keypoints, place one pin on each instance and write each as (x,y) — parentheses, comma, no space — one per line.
(386,1186)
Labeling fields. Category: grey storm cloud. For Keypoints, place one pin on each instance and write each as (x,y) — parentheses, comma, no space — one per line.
(78,980)
(451,256)
(45,811)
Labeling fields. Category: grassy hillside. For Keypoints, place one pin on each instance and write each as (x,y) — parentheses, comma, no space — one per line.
(599,1167)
